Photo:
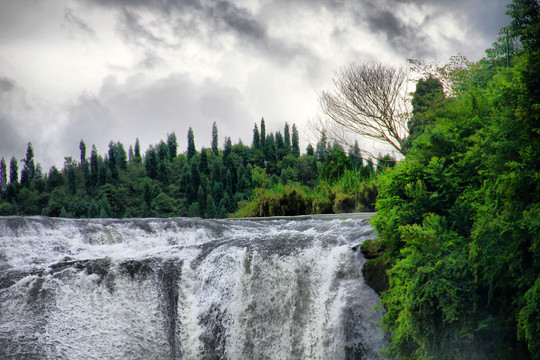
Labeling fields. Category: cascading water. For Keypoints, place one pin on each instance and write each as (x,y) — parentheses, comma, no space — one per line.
(185,289)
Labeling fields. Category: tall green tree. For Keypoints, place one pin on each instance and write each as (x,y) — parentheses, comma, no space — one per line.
(263,134)
(3,175)
(287,137)
(215,148)
(172,145)
(82,148)
(13,171)
(256,143)
(295,145)
(29,169)
(137,154)
(191,150)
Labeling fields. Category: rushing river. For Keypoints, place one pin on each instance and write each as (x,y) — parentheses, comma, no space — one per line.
(186,289)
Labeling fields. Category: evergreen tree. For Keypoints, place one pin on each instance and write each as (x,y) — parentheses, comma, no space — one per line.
(82,147)
(263,134)
(172,145)
(151,163)
(131,155)
(287,137)
(309,150)
(121,156)
(55,179)
(163,172)
(270,153)
(28,172)
(13,171)
(3,175)
(112,163)
(215,139)
(203,163)
(281,148)
(295,146)
(137,154)
(163,152)
(256,143)
(191,150)
(94,166)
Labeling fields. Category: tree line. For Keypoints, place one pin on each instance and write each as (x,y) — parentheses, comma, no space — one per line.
(161,182)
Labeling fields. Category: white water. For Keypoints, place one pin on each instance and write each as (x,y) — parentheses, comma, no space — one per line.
(185,289)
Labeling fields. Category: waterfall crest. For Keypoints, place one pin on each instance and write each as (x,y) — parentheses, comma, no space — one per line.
(185,289)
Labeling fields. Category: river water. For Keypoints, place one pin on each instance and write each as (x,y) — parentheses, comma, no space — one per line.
(182,288)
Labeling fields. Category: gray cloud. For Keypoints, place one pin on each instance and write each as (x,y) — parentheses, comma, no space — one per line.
(204,21)
(150,110)
(404,39)
(11,141)
(75,24)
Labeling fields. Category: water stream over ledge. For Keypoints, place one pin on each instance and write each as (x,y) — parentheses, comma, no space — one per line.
(180,288)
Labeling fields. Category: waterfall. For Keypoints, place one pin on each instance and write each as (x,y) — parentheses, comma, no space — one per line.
(186,289)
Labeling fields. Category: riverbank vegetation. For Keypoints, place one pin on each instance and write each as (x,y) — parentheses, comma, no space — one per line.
(459,217)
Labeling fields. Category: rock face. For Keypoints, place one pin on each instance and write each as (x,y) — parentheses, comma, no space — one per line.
(374,270)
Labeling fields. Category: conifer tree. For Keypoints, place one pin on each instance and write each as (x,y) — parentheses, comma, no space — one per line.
(94,167)
(281,148)
(131,155)
(82,147)
(137,153)
(151,163)
(112,163)
(263,134)
(191,150)
(310,150)
(295,146)
(256,143)
(3,175)
(163,152)
(172,145)
(215,139)
(287,137)
(13,171)
(203,163)
(28,172)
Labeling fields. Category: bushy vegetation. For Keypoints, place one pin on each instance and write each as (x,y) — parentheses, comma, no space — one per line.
(459,217)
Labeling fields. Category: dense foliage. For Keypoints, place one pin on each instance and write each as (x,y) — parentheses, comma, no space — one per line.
(208,183)
(460,216)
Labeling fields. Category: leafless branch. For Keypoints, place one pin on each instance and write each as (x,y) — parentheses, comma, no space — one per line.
(368,100)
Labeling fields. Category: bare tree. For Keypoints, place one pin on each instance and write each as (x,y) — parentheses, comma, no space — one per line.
(369,100)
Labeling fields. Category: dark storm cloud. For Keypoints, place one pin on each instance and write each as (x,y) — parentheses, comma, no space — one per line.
(203,21)
(404,39)
(487,17)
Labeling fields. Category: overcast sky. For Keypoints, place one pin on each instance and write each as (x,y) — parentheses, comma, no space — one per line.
(102,70)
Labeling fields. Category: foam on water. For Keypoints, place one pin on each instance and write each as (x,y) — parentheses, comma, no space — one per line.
(185,289)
